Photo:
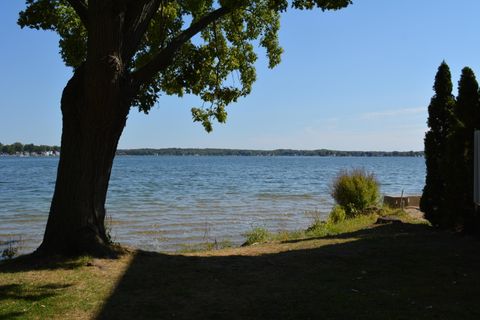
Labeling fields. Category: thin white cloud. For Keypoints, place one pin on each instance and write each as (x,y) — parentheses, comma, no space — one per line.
(392,113)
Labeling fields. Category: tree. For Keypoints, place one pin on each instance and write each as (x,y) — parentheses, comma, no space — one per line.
(127,53)
(11,149)
(29,147)
(17,147)
(439,118)
(460,154)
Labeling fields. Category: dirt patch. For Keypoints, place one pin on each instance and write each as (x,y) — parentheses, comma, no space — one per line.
(415,213)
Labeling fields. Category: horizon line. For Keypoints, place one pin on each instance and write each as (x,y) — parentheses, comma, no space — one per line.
(262,150)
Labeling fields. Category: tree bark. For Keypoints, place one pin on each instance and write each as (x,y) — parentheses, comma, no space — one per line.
(92,125)
(95,105)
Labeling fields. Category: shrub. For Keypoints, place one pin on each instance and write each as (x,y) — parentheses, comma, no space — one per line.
(337,214)
(10,252)
(316,226)
(256,235)
(355,191)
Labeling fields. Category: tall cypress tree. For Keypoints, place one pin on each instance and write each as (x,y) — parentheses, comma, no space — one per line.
(460,149)
(439,118)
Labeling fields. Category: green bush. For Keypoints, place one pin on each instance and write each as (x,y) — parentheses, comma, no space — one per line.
(337,214)
(316,226)
(256,235)
(355,191)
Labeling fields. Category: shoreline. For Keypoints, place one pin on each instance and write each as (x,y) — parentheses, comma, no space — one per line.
(409,214)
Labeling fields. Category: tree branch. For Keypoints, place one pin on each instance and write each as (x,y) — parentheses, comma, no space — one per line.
(164,58)
(139,15)
(81,9)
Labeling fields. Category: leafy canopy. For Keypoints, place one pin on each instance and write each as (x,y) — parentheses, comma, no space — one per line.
(216,63)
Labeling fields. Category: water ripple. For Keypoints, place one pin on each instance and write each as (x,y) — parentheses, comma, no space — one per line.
(162,203)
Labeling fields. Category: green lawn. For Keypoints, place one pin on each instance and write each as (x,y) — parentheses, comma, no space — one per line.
(388,271)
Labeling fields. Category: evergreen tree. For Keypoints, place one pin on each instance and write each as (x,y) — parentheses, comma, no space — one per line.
(439,118)
(460,153)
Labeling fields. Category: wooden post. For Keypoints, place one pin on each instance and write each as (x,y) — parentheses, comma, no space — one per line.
(401,201)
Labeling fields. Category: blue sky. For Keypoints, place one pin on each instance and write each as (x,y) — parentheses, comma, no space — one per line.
(356,79)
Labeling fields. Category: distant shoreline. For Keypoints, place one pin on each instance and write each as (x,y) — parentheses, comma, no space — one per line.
(277,152)
(241,153)
(31,150)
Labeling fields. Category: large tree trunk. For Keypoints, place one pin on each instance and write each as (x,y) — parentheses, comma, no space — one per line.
(95,105)
(94,115)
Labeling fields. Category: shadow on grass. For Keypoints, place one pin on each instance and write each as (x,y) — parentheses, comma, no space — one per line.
(388,272)
(386,230)
(29,293)
(32,262)
(10,315)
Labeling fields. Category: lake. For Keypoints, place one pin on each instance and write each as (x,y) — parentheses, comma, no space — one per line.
(163,203)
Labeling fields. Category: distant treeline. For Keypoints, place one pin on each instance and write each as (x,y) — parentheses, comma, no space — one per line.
(278,152)
(19,148)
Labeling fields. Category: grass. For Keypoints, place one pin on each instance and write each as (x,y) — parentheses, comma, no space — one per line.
(320,228)
(356,269)
(206,246)
(256,235)
(32,289)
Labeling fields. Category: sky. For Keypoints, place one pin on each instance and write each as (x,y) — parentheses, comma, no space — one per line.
(356,79)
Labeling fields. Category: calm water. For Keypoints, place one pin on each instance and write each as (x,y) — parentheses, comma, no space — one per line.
(162,203)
